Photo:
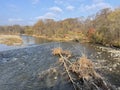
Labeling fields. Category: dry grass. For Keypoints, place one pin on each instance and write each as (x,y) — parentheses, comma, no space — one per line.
(10,39)
(82,69)
(58,51)
(53,38)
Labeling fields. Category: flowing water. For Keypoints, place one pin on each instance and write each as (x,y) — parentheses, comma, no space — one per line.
(107,60)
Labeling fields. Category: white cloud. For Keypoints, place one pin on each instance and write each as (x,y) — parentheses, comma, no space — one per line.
(67,2)
(48,15)
(54,13)
(15,20)
(70,8)
(35,1)
(56,9)
(20,21)
(95,6)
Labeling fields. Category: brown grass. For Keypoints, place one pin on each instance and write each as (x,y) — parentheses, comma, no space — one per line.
(10,39)
(82,69)
(58,51)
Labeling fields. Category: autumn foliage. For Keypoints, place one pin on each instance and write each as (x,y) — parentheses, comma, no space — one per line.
(90,32)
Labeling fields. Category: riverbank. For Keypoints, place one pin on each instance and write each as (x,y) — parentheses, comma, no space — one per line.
(64,38)
(10,40)
(53,38)
(71,38)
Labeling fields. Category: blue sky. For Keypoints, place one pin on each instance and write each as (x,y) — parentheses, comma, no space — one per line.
(27,12)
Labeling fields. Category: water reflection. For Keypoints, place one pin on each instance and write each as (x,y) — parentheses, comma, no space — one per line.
(29,40)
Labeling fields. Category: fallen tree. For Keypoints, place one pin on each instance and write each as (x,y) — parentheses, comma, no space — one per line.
(81,72)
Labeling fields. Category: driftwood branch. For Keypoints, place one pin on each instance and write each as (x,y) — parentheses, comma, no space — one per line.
(83,69)
(67,70)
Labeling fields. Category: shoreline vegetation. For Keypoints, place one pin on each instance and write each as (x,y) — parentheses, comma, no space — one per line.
(77,38)
(101,28)
(10,40)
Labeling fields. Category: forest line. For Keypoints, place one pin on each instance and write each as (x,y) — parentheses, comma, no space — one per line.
(101,28)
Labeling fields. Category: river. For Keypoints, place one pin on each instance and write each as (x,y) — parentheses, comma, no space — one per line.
(107,60)
(27,41)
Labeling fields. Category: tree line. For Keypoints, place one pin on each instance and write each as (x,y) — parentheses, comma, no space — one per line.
(102,28)
(107,26)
